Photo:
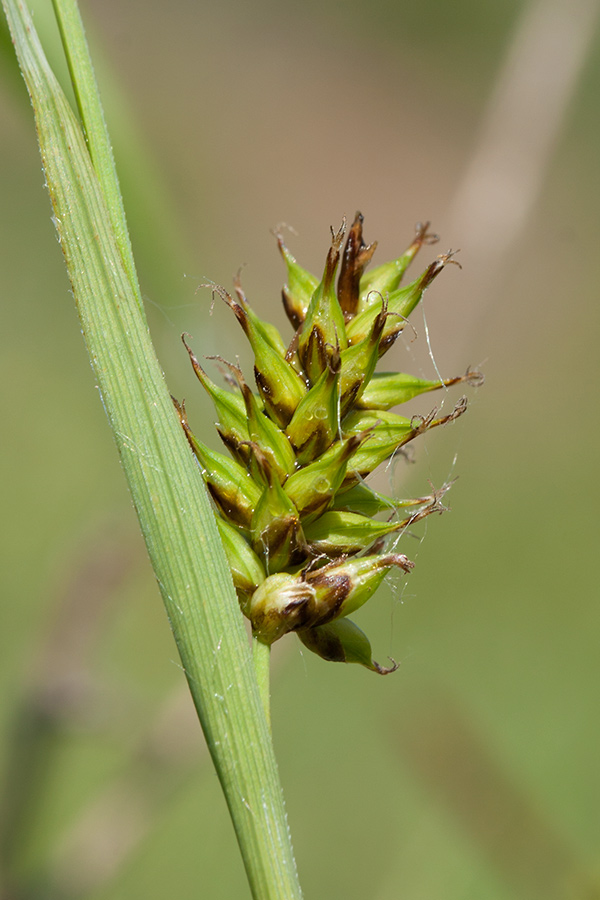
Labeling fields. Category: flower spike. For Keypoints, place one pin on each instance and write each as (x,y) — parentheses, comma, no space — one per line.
(307,539)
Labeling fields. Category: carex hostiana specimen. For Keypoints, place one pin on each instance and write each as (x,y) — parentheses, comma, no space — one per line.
(307,539)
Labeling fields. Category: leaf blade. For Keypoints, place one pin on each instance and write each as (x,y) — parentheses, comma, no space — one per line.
(175,516)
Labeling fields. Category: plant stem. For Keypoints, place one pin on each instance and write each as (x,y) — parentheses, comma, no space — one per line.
(261,657)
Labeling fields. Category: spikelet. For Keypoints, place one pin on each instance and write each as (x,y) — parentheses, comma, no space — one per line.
(295,515)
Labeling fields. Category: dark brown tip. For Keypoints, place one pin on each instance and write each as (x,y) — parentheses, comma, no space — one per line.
(238,377)
(237,286)
(333,255)
(435,505)
(355,258)
(262,461)
(180,407)
(232,367)
(334,359)
(200,373)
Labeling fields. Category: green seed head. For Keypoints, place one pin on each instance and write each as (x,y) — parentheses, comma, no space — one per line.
(307,539)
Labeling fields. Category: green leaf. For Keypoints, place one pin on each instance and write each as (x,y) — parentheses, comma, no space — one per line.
(168,494)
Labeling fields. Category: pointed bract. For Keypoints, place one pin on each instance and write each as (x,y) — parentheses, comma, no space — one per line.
(390,433)
(275,529)
(300,287)
(338,533)
(342,641)
(387,277)
(324,323)
(367,502)
(359,361)
(312,488)
(279,385)
(400,304)
(355,258)
(263,432)
(230,408)
(229,484)
(364,500)
(387,389)
(267,330)
(316,421)
(364,574)
(247,570)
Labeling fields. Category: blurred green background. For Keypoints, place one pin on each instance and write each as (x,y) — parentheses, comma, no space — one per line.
(473,771)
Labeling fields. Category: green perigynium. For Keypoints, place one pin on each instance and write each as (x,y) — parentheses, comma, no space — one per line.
(294,512)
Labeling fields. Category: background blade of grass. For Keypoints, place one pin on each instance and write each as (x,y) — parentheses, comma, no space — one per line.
(169,497)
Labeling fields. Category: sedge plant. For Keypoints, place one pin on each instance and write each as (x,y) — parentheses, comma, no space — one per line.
(296,516)
(288,532)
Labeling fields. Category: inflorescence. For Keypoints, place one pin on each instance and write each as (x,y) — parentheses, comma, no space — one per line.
(295,515)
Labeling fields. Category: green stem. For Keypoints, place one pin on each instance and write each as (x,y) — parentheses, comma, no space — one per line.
(261,657)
